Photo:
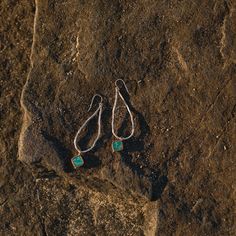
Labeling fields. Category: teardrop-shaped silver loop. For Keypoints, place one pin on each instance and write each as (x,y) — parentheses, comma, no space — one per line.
(99,111)
(128,109)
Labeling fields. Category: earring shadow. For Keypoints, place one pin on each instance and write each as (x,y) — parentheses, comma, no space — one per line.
(91,161)
(150,182)
(62,152)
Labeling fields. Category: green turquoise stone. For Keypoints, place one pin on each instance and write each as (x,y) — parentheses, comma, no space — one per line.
(77,161)
(117,146)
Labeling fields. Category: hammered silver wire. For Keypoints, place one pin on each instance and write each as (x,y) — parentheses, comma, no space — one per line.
(99,111)
(128,109)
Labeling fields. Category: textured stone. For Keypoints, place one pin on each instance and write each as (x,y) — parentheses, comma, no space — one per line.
(74,73)
(178,60)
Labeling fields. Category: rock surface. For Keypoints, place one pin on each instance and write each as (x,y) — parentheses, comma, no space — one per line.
(176,175)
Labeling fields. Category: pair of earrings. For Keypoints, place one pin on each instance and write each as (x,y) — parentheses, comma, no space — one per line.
(117,145)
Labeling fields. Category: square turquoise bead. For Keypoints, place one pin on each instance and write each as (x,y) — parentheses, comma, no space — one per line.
(117,146)
(77,161)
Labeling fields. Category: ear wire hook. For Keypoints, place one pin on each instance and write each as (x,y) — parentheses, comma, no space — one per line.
(123,85)
(92,101)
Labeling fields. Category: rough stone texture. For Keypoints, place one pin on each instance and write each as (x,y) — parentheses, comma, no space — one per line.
(178,59)
(71,60)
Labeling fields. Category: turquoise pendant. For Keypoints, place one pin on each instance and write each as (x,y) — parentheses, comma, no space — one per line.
(117,146)
(77,161)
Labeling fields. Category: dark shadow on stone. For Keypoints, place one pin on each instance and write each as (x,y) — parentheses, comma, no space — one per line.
(151,182)
(158,187)
(91,161)
(42,172)
(62,152)
(137,176)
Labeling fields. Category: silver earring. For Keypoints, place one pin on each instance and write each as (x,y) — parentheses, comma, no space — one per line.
(118,144)
(78,161)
